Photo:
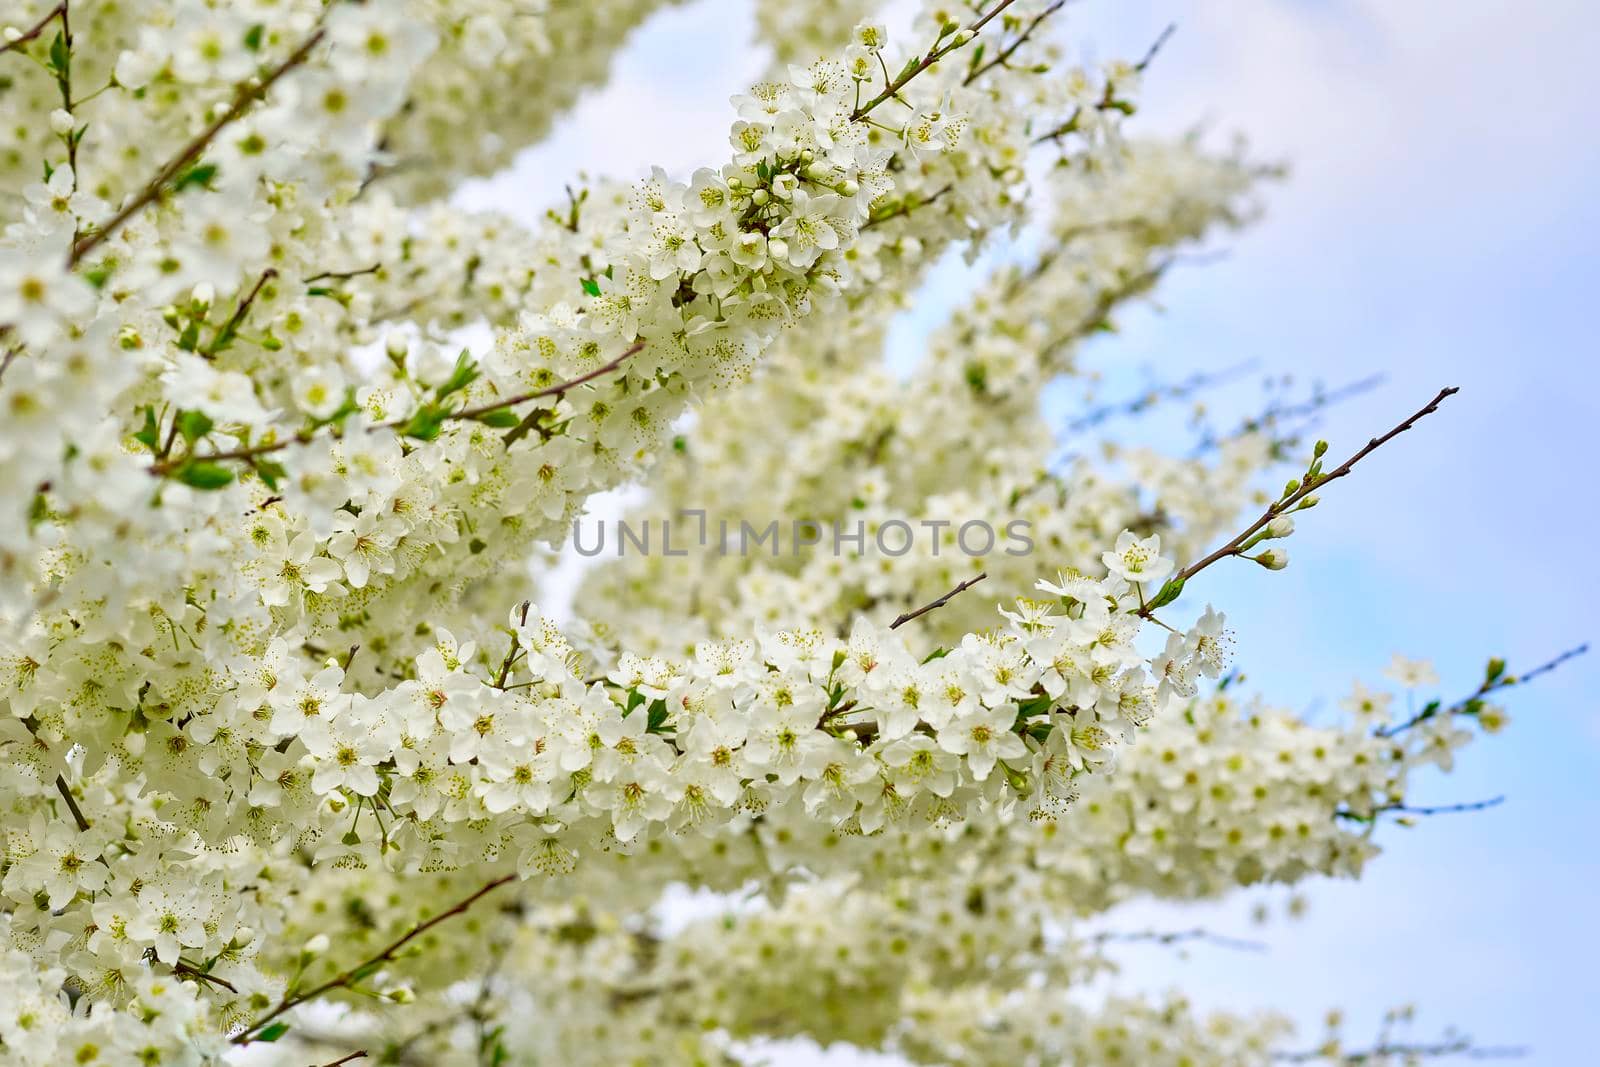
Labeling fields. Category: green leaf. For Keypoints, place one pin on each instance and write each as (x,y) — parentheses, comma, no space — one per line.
(465,373)
(590,286)
(60,55)
(253,36)
(499,418)
(199,474)
(194,425)
(1168,593)
(150,434)
(271,472)
(366,970)
(426,423)
(200,174)
(658,717)
(273,1032)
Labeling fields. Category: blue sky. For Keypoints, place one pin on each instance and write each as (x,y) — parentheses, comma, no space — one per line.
(1439,227)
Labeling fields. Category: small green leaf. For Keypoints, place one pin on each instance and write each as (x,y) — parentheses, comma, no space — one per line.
(271,472)
(150,434)
(200,174)
(426,423)
(499,418)
(253,36)
(194,425)
(590,286)
(465,373)
(60,55)
(198,474)
(273,1032)
(1168,593)
(366,970)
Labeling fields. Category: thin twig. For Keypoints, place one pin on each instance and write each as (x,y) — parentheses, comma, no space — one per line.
(226,333)
(1007,52)
(1503,681)
(941,602)
(1109,97)
(1385,1052)
(1160,937)
(345,978)
(244,96)
(35,30)
(359,1054)
(934,54)
(1280,506)
(189,970)
(72,804)
(343,275)
(253,452)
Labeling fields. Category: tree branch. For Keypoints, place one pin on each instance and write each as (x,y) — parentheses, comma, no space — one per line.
(35,30)
(1289,500)
(933,55)
(244,96)
(345,979)
(941,602)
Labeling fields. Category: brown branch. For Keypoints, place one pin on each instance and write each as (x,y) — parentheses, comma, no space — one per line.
(1109,97)
(934,54)
(941,602)
(519,431)
(72,804)
(301,437)
(35,30)
(1489,685)
(359,1054)
(343,275)
(1288,501)
(344,979)
(1007,52)
(1160,937)
(244,96)
(226,333)
(189,970)
(1384,1052)
(904,207)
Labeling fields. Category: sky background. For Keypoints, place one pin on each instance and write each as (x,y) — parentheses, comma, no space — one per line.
(1438,228)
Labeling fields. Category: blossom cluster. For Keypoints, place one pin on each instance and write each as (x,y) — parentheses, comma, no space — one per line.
(272,690)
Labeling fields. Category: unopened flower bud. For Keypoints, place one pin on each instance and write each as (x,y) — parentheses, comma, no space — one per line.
(201,297)
(396,345)
(760,197)
(1282,526)
(317,945)
(1273,559)
(777,248)
(849,187)
(61,121)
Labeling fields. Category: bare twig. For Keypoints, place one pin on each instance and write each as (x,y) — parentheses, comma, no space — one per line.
(35,30)
(348,1057)
(1160,937)
(72,804)
(343,275)
(941,602)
